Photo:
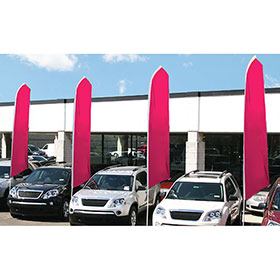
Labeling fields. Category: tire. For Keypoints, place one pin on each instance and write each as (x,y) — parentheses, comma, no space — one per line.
(228,223)
(14,215)
(132,218)
(238,220)
(64,210)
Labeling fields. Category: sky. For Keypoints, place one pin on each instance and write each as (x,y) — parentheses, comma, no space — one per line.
(56,76)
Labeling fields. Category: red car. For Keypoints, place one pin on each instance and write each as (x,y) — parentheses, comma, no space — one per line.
(166,185)
(272,206)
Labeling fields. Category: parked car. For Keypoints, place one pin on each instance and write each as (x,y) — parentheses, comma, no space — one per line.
(201,198)
(113,194)
(33,150)
(252,204)
(6,182)
(167,184)
(272,206)
(45,192)
(49,149)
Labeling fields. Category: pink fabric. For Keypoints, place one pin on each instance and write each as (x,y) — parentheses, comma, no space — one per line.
(158,133)
(19,161)
(81,134)
(255,137)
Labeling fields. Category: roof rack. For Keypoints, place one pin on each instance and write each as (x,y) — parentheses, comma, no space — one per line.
(191,172)
(223,173)
(111,166)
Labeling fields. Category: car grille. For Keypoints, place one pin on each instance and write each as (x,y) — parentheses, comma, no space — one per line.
(94,202)
(184,215)
(29,194)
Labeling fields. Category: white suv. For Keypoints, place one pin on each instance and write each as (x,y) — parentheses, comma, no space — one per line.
(114,193)
(201,198)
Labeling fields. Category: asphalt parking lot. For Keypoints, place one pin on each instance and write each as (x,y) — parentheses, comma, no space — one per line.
(7,220)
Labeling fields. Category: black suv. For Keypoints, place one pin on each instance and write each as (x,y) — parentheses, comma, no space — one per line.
(45,192)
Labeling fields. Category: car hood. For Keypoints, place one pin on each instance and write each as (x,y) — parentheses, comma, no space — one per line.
(99,194)
(45,187)
(205,206)
(3,180)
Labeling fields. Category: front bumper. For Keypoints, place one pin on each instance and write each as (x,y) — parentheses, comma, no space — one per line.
(32,207)
(95,217)
(253,206)
(159,221)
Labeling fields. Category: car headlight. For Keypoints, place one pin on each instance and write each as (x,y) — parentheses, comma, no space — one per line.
(118,202)
(75,201)
(213,215)
(259,197)
(161,212)
(50,193)
(13,192)
(272,223)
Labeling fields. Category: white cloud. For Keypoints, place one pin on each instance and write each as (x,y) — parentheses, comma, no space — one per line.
(113,58)
(59,62)
(270,81)
(187,64)
(122,86)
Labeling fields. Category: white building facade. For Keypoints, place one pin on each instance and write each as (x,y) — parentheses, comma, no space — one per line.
(205,127)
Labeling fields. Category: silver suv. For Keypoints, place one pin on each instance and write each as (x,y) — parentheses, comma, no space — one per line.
(114,193)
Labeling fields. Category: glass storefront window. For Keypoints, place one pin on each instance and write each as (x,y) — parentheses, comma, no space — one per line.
(224,152)
(131,149)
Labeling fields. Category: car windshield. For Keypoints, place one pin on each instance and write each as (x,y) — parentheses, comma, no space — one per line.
(5,171)
(56,176)
(39,158)
(34,148)
(197,191)
(110,182)
(276,199)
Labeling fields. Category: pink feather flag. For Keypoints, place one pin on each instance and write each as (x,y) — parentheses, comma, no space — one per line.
(256,176)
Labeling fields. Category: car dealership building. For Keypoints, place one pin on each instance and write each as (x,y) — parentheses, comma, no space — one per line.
(206,129)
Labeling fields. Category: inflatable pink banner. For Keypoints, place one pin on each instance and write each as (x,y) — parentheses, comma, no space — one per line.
(81,134)
(256,176)
(158,132)
(19,160)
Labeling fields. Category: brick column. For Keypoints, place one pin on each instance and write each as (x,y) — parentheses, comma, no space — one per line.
(63,146)
(6,142)
(195,152)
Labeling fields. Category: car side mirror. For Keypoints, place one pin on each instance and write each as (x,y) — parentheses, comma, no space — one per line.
(263,205)
(162,195)
(232,198)
(141,188)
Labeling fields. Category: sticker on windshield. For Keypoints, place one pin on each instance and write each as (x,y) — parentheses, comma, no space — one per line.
(196,187)
(61,180)
(218,196)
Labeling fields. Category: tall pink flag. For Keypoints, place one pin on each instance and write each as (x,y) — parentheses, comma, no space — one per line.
(158,132)
(256,176)
(81,134)
(19,160)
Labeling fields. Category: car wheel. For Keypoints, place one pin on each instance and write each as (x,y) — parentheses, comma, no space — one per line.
(14,215)
(64,210)
(228,223)
(132,220)
(238,220)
